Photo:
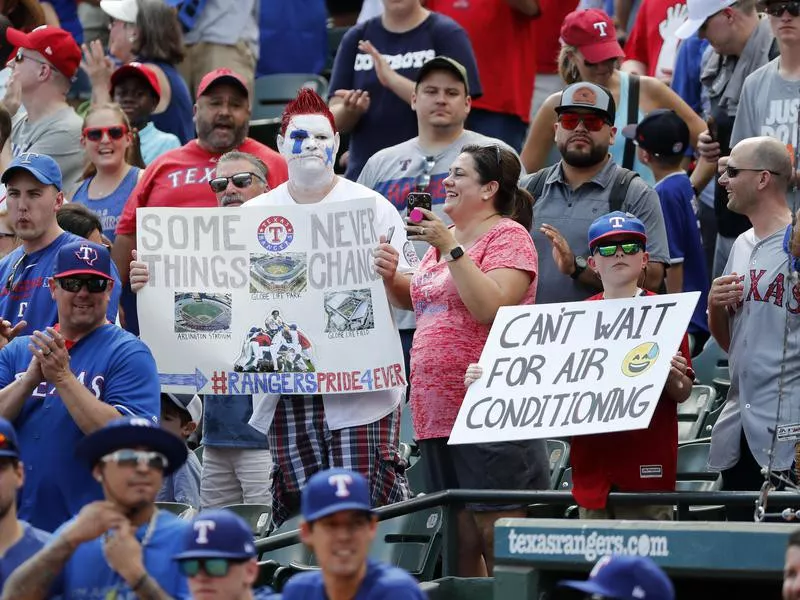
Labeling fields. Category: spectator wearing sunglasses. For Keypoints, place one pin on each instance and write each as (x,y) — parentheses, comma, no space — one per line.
(585,183)
(45,63)
(756,296)
(65,382)
(121,545)
(219,558)
(339,526)
(33,197)
(114,165)
(136,89)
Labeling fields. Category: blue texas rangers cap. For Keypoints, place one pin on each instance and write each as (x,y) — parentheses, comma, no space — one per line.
(83,258)
(41,166)
(218,534)
(661,132)
(132,432)
(626,578)
(9,446)
(614,224)
(332,491)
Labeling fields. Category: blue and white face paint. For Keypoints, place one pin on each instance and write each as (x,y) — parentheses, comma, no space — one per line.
(309,148)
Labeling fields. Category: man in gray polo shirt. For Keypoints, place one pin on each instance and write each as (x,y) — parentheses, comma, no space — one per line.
(583,185)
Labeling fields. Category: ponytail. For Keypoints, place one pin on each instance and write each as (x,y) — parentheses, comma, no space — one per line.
(522,208)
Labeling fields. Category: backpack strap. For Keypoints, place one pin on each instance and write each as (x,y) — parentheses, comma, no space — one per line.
(534,183)
(619,189)
(633,117)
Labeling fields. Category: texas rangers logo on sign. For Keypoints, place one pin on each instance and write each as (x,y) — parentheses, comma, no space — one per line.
(275,233)
(87,254)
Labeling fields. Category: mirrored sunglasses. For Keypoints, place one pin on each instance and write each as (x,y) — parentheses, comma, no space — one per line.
(611,249)
(95,134)
(570,121)
(213,567)
(135,458)
(95,285)
(240,180)
(777,9)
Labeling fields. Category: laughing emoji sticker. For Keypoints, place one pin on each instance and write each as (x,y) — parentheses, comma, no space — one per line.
(640,359)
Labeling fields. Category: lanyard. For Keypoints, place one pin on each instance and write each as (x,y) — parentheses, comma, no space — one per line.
(115,592)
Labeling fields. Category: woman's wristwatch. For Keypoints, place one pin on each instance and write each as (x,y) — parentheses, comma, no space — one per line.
(454,254)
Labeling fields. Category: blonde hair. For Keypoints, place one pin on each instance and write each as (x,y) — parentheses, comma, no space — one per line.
(566,67)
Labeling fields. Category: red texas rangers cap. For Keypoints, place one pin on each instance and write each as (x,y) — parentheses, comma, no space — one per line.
(220,75)
(55,44)
(136,69)
(592,32)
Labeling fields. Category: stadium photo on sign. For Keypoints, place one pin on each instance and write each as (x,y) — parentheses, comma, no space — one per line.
(278,346)
(349,310)
(201,312)
(274,272)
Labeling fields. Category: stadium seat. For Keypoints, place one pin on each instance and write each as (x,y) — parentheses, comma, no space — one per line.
(565,485)
(693,462)
(710,363)
(184,511)
(272,560)
(335,35)
(258,516)
(692,413)
(558,453)
(710,421)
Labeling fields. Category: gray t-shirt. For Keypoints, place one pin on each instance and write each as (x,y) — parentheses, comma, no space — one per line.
(227,22)
(396,171)
(573,211)
(57,135)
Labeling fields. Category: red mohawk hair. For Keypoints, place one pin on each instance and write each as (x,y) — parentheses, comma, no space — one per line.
(308,102)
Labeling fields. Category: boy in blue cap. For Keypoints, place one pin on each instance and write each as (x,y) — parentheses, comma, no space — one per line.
(625,578)
(120,547)
(339,526)
(18,540)
(219,558)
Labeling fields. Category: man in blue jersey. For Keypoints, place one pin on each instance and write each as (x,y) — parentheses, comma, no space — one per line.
(119,547)
(18,540)
(339,526)
(34,195)
(64,383)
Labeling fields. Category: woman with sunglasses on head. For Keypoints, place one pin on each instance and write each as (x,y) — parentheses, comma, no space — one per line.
(484,261)
(590,52)
(114,164)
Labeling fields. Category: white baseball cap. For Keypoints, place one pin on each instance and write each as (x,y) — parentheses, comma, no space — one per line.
(122,10)
(699,11)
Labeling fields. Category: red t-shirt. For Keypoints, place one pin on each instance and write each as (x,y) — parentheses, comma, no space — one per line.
(180,178)
(652,40)
(547,33)
(503,41)
(448,338)
(644,460)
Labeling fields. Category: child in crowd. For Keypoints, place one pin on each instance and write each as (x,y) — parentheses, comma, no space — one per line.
(180,415)
(662,138)
(644,460)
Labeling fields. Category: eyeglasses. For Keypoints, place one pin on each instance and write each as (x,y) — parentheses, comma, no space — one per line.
(424,178)
(733,172)
(611,249)
(21,56)
(95,134)
(498,155)
(240,180)
(777,9)
(94,285)
(10,285)
(569,121)
(137,458)
(213,567)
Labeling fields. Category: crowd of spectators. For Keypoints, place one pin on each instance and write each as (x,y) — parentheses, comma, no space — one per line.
(533,125)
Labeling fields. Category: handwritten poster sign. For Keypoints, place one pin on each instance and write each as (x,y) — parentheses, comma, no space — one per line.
(280,300)
(577,368)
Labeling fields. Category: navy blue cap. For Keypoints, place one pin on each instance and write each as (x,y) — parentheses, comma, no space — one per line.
(332,491)
(626,578)
(9,446)
(218,534)
(83,258)
(132,432)
(41,166)
(661,132)
(614,224)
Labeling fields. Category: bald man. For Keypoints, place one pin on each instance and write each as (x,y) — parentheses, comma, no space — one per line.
(749,308)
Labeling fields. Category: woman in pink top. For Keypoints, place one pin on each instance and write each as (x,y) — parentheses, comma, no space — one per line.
(484,261)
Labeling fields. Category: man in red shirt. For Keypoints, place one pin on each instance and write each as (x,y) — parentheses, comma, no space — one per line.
(501,32)
(180,177)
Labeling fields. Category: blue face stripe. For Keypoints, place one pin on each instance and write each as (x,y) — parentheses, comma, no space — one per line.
(329,155)
(298,135)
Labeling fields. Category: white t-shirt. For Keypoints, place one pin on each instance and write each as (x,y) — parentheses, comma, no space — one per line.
(358,408)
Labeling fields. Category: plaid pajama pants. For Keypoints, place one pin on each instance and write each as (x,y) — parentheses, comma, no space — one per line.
(301,444)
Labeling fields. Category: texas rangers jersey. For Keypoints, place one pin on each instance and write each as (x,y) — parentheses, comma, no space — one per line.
(769,310)
(25,286)
(119,370)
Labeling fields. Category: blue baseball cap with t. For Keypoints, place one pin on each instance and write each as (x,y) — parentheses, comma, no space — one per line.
(9,446)
(41,166)
(332,491)
(614,224)
(626,578)
(218,534)
(83,258)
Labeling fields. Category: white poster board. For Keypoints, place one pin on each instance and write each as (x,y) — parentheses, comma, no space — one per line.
(554,370)
(257,300)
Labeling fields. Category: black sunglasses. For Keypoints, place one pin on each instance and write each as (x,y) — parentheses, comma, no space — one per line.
(95,134)
(776,9)
(733,172)
(21,56)
(240,180)
(213,567)
(10,285)
(95,285)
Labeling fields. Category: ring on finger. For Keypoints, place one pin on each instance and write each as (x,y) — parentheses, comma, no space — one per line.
(422,231)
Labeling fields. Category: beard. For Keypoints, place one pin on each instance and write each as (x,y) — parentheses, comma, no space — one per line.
(583,158)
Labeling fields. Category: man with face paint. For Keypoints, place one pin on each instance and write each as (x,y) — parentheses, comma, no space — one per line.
(358,431)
